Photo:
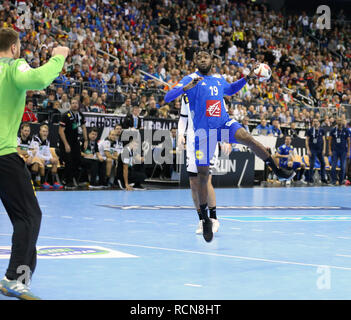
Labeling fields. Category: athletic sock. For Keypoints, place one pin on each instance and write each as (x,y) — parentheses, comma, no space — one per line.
(42,179)
(199,213)
(203,210)
(213,213)
(301,172)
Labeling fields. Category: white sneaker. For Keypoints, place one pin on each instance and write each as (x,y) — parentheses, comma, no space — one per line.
(200,229)
(215,225)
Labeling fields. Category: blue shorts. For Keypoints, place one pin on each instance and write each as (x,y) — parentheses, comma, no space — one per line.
(207,139)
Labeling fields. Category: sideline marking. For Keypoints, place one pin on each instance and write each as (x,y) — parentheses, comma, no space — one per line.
(195,252)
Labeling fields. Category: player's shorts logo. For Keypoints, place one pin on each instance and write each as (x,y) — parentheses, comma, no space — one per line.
(199,154)
(213,108)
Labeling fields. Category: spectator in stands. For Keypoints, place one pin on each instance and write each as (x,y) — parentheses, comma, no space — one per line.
(275,129)
(85,106)
(245,123)
(339,149)
(152,109)
(48,102)
(125,108)
(252,112)
(55,113)
(263,128)
(132,120)
(174,110)
(71,123)
(65,104)
(292,131)
(29,115)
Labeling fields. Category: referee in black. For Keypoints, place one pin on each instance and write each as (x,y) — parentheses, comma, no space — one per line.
(71,124)
(16,189)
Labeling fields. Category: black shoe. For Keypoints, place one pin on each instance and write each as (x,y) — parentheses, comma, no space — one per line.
(285,174)
(207,230)
(139,187)
(70,186)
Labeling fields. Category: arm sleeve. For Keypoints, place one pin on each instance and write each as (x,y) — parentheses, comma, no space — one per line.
(234,87)
(183,119)
(26,78)
(64,120)
(177,90)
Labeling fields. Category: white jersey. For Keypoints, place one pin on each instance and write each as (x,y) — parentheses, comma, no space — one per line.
(108,145)
(186,124)
(41,148)
(25,145)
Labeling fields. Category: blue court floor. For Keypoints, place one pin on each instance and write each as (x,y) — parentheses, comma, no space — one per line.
(273,243)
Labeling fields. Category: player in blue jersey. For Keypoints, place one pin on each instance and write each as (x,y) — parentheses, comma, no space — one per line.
(212,124)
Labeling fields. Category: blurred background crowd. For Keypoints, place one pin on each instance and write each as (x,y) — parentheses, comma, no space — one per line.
(129,53)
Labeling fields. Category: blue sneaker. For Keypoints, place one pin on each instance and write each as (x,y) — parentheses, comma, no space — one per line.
(46,186)
(16,289)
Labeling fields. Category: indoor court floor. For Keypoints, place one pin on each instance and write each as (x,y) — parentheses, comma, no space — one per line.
(273,243)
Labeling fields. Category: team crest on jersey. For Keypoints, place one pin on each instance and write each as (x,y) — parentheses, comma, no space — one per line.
(213,108)
(199,154)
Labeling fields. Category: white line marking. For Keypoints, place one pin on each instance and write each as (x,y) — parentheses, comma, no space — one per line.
(196,252)
(277,232)
(131,221)
(66,217)
(347,238)
(88,218)
(243,172)
(257,230)
(235,228)
(344,255)
(321,235)
(193,285)
(109,220)
(299,233)
(47,216)
(172,223)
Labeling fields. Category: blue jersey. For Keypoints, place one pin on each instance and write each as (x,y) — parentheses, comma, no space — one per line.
(284,150)
(263,130)
(206,102)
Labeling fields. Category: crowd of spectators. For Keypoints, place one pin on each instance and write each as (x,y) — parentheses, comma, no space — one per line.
(125,55)
(113,44)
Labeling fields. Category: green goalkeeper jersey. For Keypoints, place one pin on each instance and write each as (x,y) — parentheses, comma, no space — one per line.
(16,77)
